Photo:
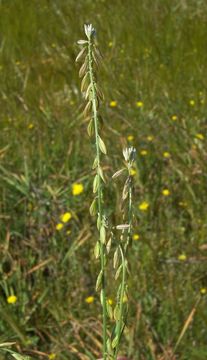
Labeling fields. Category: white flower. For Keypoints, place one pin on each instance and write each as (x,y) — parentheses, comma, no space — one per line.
(89,30)
(129,154)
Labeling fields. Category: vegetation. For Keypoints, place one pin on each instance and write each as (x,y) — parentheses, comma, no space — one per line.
(153,78)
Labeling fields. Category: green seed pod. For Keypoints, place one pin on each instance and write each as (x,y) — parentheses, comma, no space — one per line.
(93,207)
(99,280)
(95,183)
(102,146)
(97,250)
(103,234)
(90,128)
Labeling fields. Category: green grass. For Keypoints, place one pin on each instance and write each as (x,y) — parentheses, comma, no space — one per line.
(154,52)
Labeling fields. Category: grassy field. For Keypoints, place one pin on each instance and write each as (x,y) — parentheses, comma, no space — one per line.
(154,81)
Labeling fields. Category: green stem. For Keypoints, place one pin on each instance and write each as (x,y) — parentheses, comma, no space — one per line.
(100,211)
(123,256)
(120,321)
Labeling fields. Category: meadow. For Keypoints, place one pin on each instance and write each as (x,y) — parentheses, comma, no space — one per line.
(154,81)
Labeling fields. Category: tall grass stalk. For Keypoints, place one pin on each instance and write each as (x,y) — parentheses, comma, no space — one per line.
(93,95)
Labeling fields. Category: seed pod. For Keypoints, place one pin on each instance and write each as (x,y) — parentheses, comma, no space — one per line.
(109,310)
(116,258)
(117,312)
(98,222)
(122,227)
(90,128)
(87,109)
(99,93)
(100,171)
(95,183)
(93,207)
(99,56)
(102,146)
(95,163)
(108,245)
(101,297)
(118,173)
(97,250)
(88,91)
(103,234)
(99,280)
(118,272)
(97,62)
(84,82)
(83,69)
(80,55)
(82,42)
(125,192)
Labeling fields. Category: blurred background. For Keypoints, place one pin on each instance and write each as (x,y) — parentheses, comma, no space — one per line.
(154,80)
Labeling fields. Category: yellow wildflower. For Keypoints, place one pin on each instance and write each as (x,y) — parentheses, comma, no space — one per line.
(68,232)
(113,103)
(59,226)
(109,301)
(130,137)
(144,206)
(139,104)
(192,102)
(200,136)
(182,257)
(166,154)
(77,188)
(135,237)
(30,126)
(174,117)
(150,138)
(143,152)
(110,44)
(165,192)
(203,291)
(52,356)
(12,299)
(132,172)
(65,217)
(89,299)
